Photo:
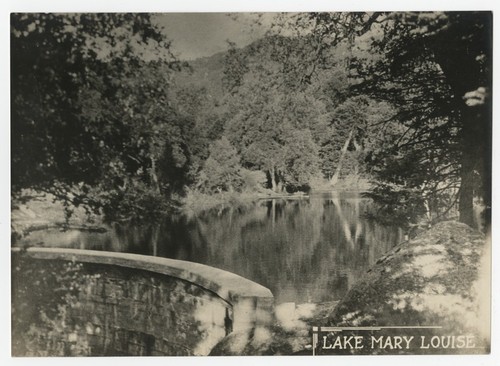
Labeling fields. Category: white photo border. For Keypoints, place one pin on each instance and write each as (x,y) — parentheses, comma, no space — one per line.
(8,6)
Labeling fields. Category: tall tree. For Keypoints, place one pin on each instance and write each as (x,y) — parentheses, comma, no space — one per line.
(269,109)
(222,169)
(435,68)
(90,104)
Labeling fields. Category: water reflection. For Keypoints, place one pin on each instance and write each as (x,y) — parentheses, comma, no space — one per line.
(302,250)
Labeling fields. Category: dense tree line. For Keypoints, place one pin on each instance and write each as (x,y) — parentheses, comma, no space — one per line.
(434,70)
(102,116)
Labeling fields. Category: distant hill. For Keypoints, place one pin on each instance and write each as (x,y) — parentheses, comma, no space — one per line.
(208,72)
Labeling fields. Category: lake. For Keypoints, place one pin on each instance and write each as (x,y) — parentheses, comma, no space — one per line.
(304,250)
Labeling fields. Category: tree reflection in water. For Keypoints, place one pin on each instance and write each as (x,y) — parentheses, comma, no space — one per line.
(303,250)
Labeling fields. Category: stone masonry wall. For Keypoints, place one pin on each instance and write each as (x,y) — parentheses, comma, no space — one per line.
(111,310)
(143,313)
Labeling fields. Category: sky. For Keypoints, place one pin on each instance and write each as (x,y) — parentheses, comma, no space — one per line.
(196,35)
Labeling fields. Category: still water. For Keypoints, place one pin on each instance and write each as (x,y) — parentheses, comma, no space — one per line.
(304,250)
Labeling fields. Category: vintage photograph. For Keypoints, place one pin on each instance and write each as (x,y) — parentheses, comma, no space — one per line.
(242,184)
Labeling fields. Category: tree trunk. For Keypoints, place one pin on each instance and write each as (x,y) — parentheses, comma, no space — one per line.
(155,237)
(273,180)
(465,74)
(279,187)
(357,148)
(335,177)
(466,195)
(469,161)
(154,177)
(475,141)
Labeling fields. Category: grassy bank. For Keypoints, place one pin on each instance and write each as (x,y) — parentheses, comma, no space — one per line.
(347,183)
(195,201)
(35,210)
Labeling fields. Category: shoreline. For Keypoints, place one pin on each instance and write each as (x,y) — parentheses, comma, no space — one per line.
(43,211)
(196,202)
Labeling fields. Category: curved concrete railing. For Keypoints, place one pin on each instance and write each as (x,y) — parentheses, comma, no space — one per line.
(229,286)
(247,303)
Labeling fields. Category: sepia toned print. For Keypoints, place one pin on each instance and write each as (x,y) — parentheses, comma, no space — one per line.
(193,184)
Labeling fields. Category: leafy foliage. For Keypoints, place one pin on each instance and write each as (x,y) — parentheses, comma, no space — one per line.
(432,65)
(301,159)
(90,109)
(222,169)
